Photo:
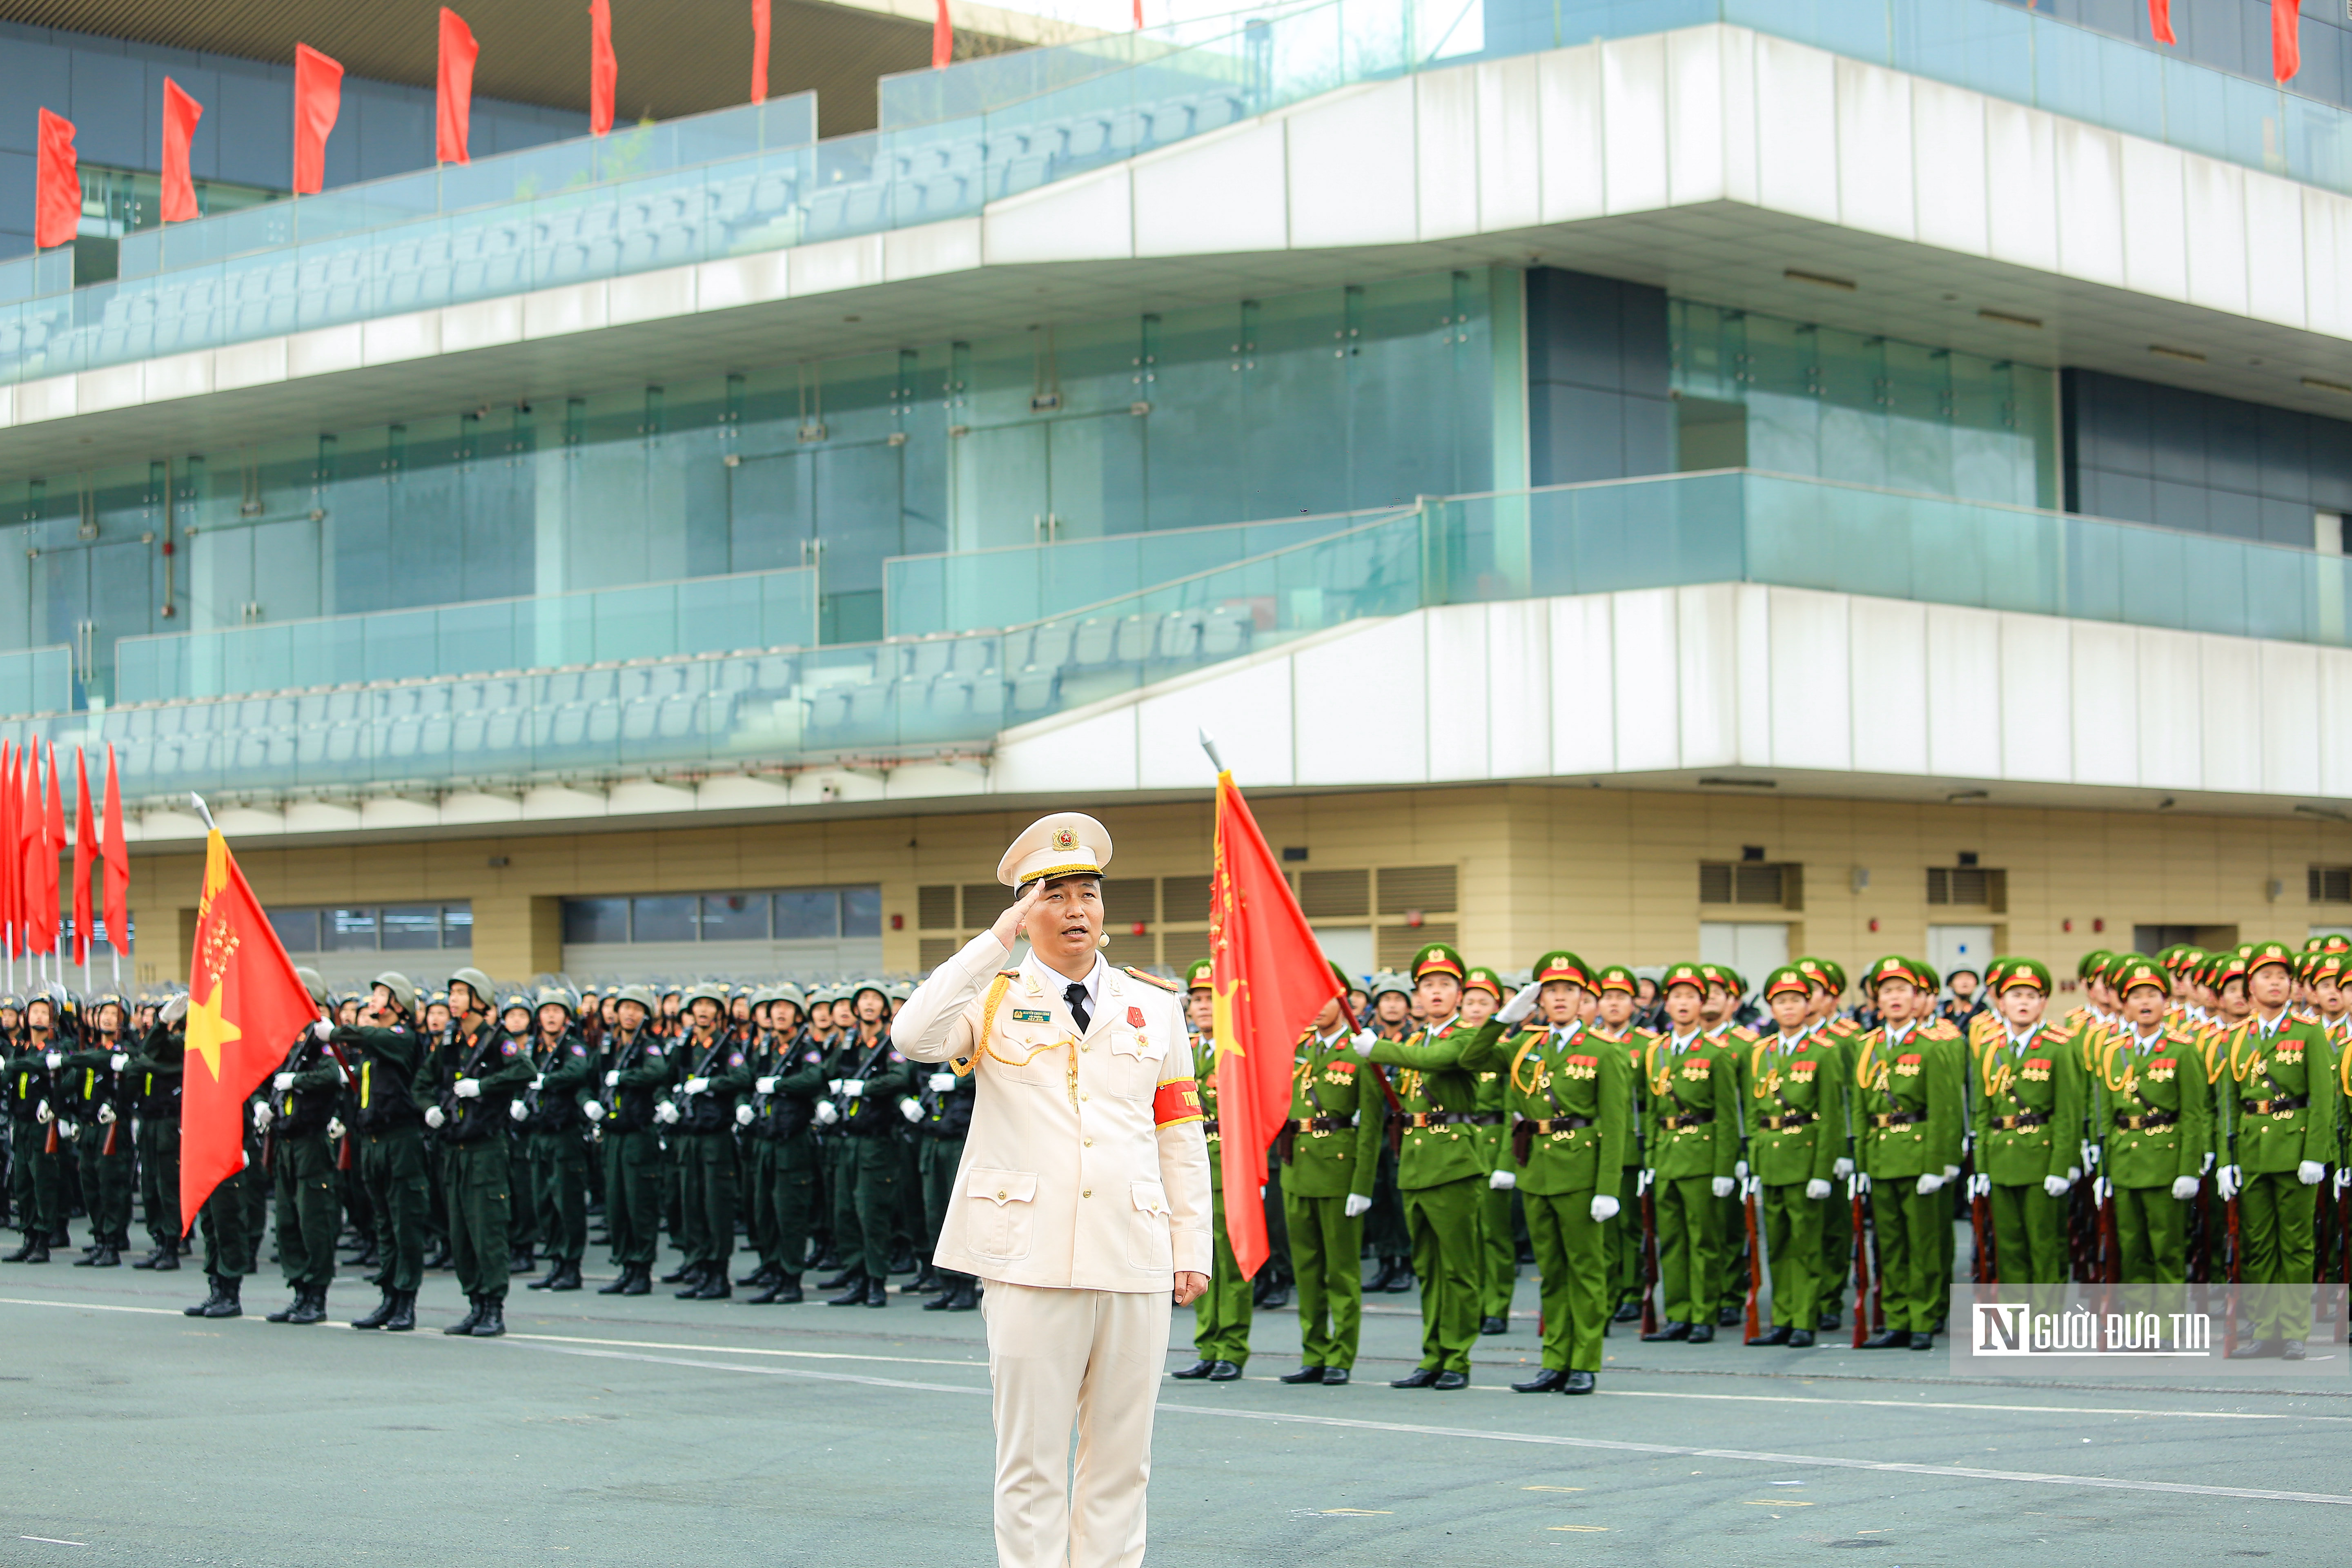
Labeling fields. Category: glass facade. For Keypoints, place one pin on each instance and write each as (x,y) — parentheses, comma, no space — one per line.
(1789,398)
(389,928)
(794,914)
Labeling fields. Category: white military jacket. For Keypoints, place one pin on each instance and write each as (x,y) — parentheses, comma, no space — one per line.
(1084,1168)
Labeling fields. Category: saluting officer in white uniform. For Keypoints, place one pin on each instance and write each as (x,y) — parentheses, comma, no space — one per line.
(1082,1199)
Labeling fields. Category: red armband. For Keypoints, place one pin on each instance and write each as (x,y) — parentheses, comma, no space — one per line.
(1177,1103)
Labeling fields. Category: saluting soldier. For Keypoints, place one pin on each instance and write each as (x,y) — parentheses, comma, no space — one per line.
(1570,1095)
(1691,1124)
(2154,1117)
(1795,1115)
(552,1127)
(1442,1167)
(1908,1119)
(2279,1118)
(1331,1151)
(2028,1109)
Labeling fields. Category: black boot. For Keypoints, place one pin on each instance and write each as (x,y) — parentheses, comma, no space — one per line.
(313,1308)
(1403,1280)
(149,1262)
(472,1320)
(1776,1335)
(1672,1329)
(1379,1282)
(683,1274)
(404,1312)
(842,1279)
(567,1275)
(494,1318)
(440,1259)
(902,1261)
(619,1283)
(204,1308)
(25,1253)
(640,1280)
(967,1295)
(547,1280)
(926,1281)
(877,1292)
(853,1292)
(522,1261)
(1578,1383)
(763,1275)
(381,1316)
(167,1261)
(229,1305)
(697,1278)
(285,1314)
(715,1287)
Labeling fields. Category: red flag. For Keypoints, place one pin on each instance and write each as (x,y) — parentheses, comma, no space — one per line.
(943,37)
(54,820)
(603,70)
(118,863)
(318,102)
(1269,980)
(453,93)
(2286,39)
(57,196)
(1139,15)
(759,51)
(245,1009)
(31,835)
(10,916)
(2159,21)
(85,847)
(180,113)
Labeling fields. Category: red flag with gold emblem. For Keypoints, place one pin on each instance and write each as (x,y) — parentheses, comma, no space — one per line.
(1268,979)
(245,1005)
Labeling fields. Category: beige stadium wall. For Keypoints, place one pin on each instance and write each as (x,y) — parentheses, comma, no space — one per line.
(1610,873)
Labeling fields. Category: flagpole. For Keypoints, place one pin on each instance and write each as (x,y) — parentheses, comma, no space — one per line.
(1209,744)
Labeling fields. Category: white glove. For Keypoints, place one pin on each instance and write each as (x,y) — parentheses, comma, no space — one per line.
(105,1115)
(2309,1173)
(1503,1180)
(1356,1206)
(2184,1188)
(2101,1190)
(1739,1169)
(2090,1156)
(515,1110)
(1952,1172)
(69,1130)
(2074,1174)
(697,1084)
(433,1117)
(1364,1042)
(832,1086)
(1723,1185)
(1858,1184)
(2207,1167)
(743,1116)
(2056,1187)
(538,1081)
(1522,1002)
(323,1030)
(1930,1184)
(1980,1186)
(853,1087)
(912,1109)
(1642,1182)
(1817,1189)
(666,1113)
(613,1079)
(1841,1166)
(826,1114)
(941,1082)
(468,1088)
(118,1060)
(55,1061)
(175,1010)
(2229,1179)
(261,1116)
(2343,1179)
(334,1127)
(1604,1207)
(282,1082)
(593,1111)
(764,1086)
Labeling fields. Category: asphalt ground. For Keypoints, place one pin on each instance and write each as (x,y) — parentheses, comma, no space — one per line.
(648,1430)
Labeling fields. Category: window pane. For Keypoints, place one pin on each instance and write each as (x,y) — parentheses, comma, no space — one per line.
(806,914)
(663,919)
(456,925)
(350,931)
(735,917)
(595,919)
(412,926)
(298,929)
(861,911)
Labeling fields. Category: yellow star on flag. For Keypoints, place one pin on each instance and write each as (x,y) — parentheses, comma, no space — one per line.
(208,1031)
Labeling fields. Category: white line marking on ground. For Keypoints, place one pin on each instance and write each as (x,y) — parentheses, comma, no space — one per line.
(743,1350)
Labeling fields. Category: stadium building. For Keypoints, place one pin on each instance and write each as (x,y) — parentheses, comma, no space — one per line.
(1662,477)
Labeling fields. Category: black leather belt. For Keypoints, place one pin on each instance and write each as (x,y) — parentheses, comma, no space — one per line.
(2150,1123)
(1321,1123)
(1434,1118)
(1898,1118)
(1209,1128)
(1691,1118)
(2283,1104)
(1556,1124)
(2024,1118)
(1787,1121)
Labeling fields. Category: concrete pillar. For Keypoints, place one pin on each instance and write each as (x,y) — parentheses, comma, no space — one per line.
(517,935)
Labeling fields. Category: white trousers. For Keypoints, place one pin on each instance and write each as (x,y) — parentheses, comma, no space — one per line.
(1058,1357)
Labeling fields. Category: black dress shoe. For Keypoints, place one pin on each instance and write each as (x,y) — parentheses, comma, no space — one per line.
(1672,1329)
(1198,1370)
(763,1275)
(854,1295)
(842,1279)
(640,1281)
(1276,1298)
(1626,1312)
(1922,1341)
(1832,1320)
(1388,1272)
(682,1273)
(1303,1374)
(1578,1383)
(1547,1381)
(1335,1377)
(168,1262)
(1402,1282)
(1888,1339)
(1801,1338)
(1492,1325)
(1447,1382)
(715,1287)
(1701,1335)
(1223,1372)
(877,1292)
(2253,1348)
(619,1282)
(1778,1335)
(1419,1377)
(1727,1317)
(2292,1351)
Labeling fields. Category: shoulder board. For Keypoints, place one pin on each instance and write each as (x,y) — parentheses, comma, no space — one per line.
(1745,1035)
(1154,980)
(1941,1029)
(1008,975)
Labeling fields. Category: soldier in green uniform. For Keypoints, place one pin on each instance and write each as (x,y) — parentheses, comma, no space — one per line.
(153,1073)
(1907,1121)
(1826,986)
(637,1070)
(99,1104)
(2152,1116)
(554,1132)
(35,1097)
(1498,1256)
(1795,1115)
(713,1072)
(466,1088)
(1443,1168)
(2028,1110)
(384,1049)
(1221,1316)
(871,1081)
(1331,1151)
(1690,1124)
(516,1021)
(1614,1022)
(1384,1224)
(2279,1119)
(1570,1095)
(302,1168)
(790,1093)
(756,1143)
(1719,1016)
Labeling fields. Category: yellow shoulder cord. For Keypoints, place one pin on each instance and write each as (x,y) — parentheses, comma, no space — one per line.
(1531,1037)
(963,1066)
(1863,1074)
(1660,1082)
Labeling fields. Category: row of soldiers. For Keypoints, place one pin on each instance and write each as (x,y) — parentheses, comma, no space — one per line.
(2188,1086)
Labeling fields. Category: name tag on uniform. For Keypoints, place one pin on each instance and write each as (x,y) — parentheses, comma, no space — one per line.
(1023,1015)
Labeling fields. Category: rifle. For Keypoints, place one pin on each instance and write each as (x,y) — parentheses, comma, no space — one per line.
(1754,1265)
(1649,1261)
(1861,1262)
(2344,1241)
(1988,1270)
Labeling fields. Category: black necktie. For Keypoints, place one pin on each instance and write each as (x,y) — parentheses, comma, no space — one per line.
(1074,994)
